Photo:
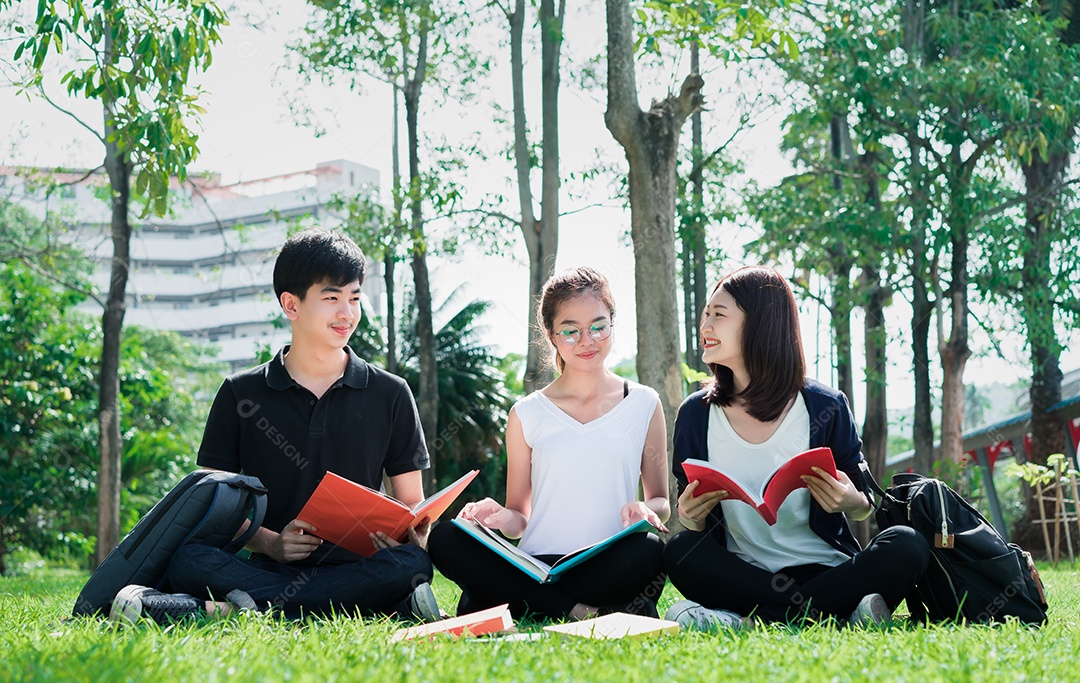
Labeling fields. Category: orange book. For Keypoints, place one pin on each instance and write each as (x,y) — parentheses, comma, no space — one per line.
(768,499)
(346,513)
(480,623)
(616,625)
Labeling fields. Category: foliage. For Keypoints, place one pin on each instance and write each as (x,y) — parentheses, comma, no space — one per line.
(135,57)
(1056,469)
(719,25)
(36,648)
(474,396)
(48,426)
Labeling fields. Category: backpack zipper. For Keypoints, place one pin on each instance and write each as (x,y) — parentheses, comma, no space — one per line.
(943,539)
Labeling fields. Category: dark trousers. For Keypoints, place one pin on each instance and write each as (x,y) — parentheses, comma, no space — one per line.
(623,576)
(708,573)
(370,585)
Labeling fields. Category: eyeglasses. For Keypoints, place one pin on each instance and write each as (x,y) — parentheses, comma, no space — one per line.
(572,335)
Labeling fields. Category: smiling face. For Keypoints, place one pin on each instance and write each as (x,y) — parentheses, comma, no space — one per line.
(722,331)
(326,317)
(589,318)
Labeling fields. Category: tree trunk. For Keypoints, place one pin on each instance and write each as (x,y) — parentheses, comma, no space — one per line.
(1043,183)
(427,402)
(914,22)
(955,351)
(650,141)
(875,432)
(541,236)
(693,237)
(390,256)
(841,323)
(112,323)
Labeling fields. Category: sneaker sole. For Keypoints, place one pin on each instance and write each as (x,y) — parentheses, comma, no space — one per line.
(424,605)
(127,606)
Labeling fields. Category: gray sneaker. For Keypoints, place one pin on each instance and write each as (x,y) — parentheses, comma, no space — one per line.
(872,610)
(420,605)
(689,615)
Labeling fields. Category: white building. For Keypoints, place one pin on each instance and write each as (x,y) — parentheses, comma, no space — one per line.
(206,270)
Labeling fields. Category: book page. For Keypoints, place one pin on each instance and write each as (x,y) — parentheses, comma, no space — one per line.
(432,507)
(788,477)
(578,556)
(713,479)
(492,539)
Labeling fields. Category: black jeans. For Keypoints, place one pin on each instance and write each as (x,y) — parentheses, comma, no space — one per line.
(622,576)
(708,573)
(369,585)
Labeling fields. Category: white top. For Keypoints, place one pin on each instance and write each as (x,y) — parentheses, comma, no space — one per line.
(790,541)
(582,474)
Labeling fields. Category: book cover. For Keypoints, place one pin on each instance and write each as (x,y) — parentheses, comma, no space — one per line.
(493,620)
(615,625)
(542,572)
(346,513)
(767,499)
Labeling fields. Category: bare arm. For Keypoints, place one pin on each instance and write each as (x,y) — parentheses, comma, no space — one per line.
(512,518)
(656,509)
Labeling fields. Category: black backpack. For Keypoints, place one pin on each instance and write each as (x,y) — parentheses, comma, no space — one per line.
(206,507)
(974,574)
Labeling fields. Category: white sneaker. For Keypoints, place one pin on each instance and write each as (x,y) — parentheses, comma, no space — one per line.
(689,615)
(872,610)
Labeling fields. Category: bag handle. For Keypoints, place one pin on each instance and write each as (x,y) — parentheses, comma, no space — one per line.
(257,499)
(869,480)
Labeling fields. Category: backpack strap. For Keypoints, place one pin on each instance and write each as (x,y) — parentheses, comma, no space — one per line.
(256,497)
(869,480)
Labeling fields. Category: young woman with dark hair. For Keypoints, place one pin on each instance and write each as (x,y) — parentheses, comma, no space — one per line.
(577,451)
(759,411)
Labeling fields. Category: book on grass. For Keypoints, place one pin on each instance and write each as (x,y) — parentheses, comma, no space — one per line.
(494,620)
(771,495)
(539,570)
(615,625)
(346,513)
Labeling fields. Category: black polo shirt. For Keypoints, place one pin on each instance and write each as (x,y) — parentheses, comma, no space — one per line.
(264,424)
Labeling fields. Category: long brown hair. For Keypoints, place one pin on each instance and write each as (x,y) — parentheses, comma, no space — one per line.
(771,344)
(564,287)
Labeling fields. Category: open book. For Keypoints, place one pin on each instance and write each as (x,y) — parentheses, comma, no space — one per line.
(615,625)
(767,499)
(346,513)
(494,620)
(541,571)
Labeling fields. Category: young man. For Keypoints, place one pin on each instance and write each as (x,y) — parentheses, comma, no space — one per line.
(315,407)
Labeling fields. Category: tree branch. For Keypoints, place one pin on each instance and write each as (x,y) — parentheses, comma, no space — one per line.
(82,123)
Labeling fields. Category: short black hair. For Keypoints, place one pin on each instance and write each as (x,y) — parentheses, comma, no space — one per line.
(771,344)
(315,256)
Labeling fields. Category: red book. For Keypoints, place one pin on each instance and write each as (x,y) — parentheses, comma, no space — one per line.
(480,623)
(768,499)
(346,513)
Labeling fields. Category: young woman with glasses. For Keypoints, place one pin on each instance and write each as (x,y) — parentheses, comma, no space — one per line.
(577,451)
(758,412)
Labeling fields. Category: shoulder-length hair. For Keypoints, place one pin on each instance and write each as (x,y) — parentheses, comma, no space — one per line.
(771,345)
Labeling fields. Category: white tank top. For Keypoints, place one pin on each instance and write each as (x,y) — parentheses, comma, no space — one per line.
(790,541)
(582,474)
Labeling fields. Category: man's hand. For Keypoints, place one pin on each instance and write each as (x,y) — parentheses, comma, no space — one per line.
(294,543)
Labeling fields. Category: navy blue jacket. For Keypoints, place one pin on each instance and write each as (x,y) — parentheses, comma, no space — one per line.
(831,424)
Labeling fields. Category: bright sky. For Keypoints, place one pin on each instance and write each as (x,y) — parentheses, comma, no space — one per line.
(250,132)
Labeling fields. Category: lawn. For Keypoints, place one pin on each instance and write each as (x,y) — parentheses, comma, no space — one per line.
(39,643)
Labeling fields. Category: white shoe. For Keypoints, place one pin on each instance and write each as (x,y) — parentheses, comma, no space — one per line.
(689,615)
(872,610)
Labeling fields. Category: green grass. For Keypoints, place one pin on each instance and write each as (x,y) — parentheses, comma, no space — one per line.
(39,643)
